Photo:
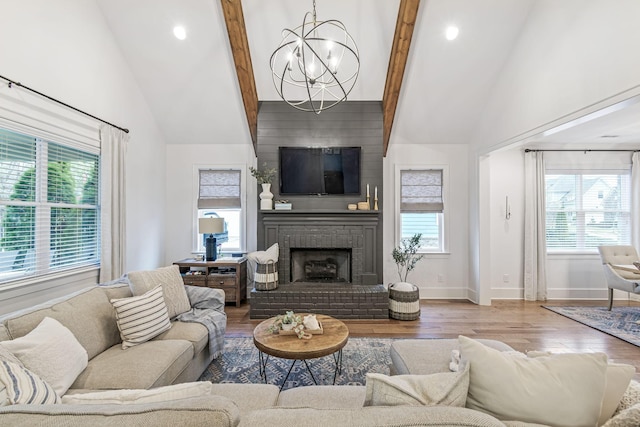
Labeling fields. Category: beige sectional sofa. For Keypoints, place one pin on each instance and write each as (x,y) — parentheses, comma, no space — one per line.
(168,362)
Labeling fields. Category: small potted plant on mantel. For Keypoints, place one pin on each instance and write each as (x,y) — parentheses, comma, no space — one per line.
(404,297)
(264,178)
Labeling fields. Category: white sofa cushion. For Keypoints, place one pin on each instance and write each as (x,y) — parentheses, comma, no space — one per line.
(132,397)
(446,388)
(141,318)
(542,390)
(52,352)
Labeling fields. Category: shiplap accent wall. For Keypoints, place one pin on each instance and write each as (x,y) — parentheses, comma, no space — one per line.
(350,124)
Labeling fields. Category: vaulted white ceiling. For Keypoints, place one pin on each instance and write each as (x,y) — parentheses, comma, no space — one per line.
(192,89)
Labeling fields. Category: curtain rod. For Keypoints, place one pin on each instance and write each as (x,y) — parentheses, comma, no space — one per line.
(12,82)
(527,150)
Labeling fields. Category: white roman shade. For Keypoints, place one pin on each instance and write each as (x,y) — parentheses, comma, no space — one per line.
(219,189)
(421,190)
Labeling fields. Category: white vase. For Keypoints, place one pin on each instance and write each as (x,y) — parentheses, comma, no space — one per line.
(266,198)
(287,326)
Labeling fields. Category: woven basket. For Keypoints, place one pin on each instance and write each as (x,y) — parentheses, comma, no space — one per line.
(404,305)
(266,277)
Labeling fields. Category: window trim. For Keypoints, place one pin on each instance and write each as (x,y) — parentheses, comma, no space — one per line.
(444,244)
(196,193)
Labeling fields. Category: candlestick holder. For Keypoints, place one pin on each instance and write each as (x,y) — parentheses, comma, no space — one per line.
(368,203)
(375,204)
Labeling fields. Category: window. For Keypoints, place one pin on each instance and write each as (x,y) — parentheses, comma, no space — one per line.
(422,207)
(219,196)
(49,213)
(585,210)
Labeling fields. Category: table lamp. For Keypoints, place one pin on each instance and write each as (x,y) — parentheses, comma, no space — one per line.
(211,226)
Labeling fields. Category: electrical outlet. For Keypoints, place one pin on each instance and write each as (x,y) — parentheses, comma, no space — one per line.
(505,278)
(440,278)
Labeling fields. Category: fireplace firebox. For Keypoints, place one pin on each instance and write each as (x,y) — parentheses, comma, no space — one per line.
(319,265)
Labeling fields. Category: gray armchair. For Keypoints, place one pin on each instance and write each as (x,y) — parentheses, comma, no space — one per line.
(624,276)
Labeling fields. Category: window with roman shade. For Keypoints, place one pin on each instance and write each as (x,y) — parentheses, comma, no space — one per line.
(422,207)
(219,189)
(220,195)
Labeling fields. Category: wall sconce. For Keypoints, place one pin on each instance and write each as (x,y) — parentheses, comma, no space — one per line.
(211,226)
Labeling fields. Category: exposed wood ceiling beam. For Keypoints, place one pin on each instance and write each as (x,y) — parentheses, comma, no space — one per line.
(234,18)
(407,15)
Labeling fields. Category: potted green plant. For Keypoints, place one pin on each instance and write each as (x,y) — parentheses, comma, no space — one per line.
(406,255)
(404,297)
(264,177)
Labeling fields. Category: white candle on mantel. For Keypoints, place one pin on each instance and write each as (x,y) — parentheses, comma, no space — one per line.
(375,192)
(367,190)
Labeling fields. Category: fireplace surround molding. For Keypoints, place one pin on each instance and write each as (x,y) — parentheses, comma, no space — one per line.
(354,230)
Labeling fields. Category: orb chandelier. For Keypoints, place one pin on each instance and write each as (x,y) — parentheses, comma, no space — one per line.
(316,65)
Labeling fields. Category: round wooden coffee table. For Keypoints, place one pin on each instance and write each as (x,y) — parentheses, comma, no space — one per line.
(334,337)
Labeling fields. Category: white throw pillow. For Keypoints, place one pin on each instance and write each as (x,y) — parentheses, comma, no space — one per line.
(446,389)
(619,375)
(52,352)
(543,390)
(271,254)
(142,317)
(25,387)
(130,397)
(175,295)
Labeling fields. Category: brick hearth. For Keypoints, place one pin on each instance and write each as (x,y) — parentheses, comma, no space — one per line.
(337,300)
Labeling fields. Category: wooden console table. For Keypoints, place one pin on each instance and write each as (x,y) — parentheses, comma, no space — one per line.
(228,274)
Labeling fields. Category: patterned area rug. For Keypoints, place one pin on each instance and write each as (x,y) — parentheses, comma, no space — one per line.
(239,364)
(621,322)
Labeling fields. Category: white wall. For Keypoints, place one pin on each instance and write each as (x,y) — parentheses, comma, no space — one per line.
(569,276)
(183,162)
(506,236)
(453,266)
(572,55)
(65,50)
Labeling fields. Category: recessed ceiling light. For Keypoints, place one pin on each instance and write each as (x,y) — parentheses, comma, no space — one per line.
(180,32)
(451,32)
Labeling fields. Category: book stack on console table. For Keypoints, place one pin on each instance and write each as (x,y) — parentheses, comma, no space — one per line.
(282,206)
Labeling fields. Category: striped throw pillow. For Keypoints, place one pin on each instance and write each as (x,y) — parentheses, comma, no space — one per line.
(25,387)
(142,317)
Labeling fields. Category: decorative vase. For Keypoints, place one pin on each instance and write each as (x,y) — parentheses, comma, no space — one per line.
(266,198)
(287,326)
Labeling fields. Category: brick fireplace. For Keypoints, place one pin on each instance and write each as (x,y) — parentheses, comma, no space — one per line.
(327,264)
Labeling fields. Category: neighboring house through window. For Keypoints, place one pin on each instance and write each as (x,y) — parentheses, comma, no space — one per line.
(49,206)
(421,207)
(585,209)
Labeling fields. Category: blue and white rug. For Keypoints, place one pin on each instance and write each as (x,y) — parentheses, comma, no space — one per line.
(621,322)
(239,364)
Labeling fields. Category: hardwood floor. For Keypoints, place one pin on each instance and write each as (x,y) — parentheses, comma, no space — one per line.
(523,325)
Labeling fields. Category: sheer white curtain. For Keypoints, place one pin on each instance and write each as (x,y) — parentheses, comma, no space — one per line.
(112,202)
(535,245)
(635,200)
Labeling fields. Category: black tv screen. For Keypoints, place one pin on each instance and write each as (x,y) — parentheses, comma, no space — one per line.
(327,170)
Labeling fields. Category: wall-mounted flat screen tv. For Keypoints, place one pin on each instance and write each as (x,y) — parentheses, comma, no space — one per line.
(325,170)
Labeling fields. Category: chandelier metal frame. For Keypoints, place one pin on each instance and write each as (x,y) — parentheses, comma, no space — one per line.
(308,65)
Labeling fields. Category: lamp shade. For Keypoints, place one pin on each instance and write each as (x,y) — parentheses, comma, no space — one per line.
(210,225)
